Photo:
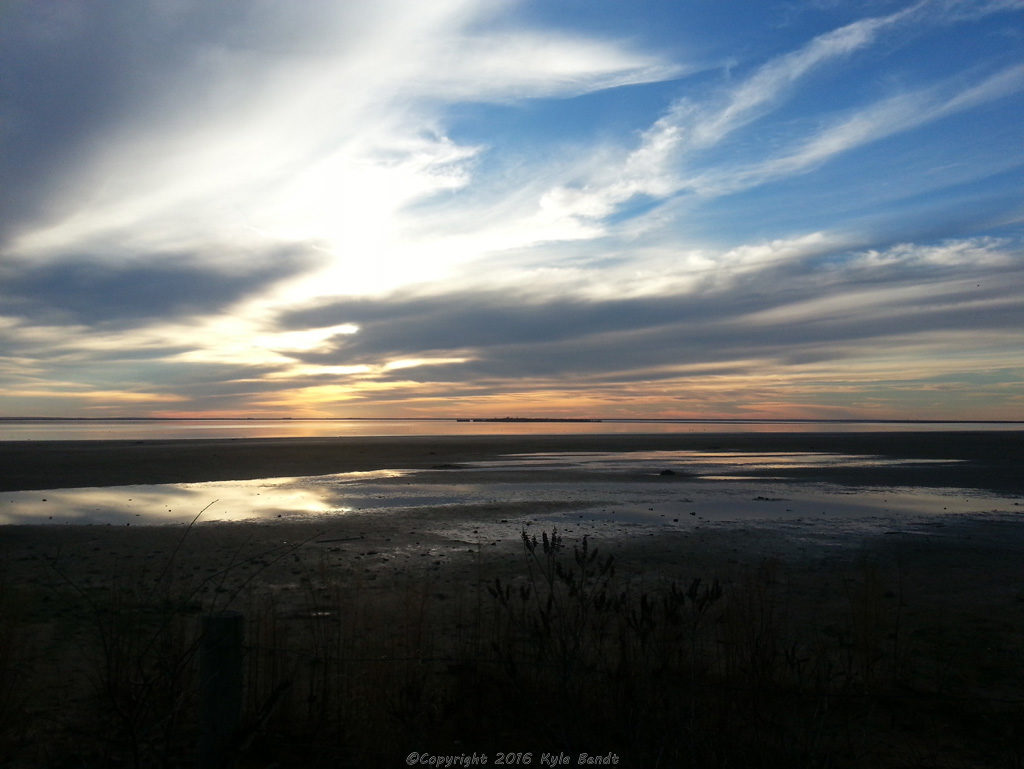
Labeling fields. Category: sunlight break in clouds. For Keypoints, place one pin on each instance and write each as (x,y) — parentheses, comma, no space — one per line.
(400,207)
(326,149)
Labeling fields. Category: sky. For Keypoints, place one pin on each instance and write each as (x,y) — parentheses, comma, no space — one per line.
(480,208)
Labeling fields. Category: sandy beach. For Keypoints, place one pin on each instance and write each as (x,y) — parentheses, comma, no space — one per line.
(955,582)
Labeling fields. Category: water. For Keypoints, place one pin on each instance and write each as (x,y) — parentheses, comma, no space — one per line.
(622,491)
(162,429)
(708,465)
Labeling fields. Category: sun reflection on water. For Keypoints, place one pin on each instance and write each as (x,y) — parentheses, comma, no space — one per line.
(265,498)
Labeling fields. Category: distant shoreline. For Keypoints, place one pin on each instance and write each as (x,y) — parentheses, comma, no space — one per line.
(540,420)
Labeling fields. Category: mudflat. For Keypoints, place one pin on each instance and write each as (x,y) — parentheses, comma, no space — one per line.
(987,459)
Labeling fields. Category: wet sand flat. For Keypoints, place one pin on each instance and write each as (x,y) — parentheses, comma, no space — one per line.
(413,540)
(986,460)
(458,545)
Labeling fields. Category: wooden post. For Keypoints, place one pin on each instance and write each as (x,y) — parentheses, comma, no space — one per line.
(220,688)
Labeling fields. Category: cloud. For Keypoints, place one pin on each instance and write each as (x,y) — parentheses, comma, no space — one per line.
(804,306)
(951,11)
(80,290)
(668,157)
(305,123)
(527,65)
(869,124)
(747,101)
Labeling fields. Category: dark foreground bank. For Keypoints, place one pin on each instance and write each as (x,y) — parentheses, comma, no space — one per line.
(368,639)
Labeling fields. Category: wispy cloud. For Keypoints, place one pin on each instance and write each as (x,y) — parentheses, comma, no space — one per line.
(747,101)
(872,123)
(667,160)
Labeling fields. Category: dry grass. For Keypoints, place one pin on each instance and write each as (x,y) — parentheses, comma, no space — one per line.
(560,653)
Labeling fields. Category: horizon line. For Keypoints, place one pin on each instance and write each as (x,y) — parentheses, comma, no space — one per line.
(726,420)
